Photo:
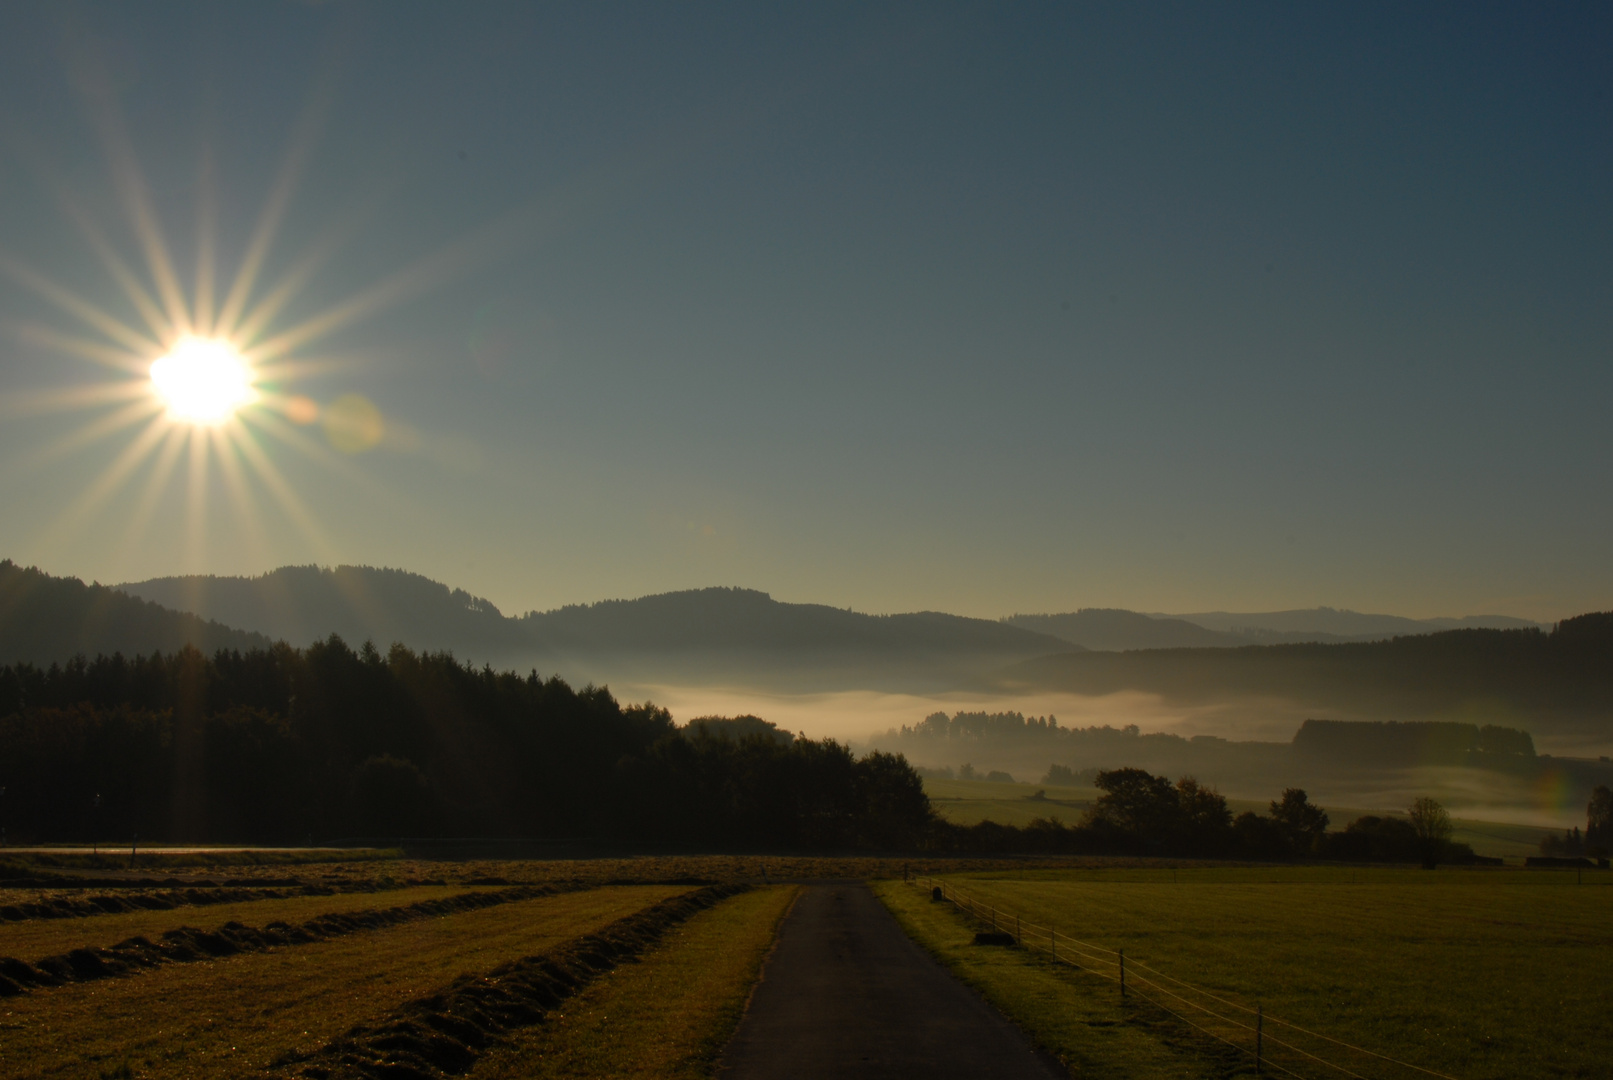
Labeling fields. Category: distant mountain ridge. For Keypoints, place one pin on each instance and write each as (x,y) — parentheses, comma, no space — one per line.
(1116,630)
(746,619)
(301,604)
(1345,624)
(742,638)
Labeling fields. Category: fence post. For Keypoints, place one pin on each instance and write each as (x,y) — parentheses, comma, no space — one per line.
(1122,974)
(1260,1026)
(994,918)
(1018,940)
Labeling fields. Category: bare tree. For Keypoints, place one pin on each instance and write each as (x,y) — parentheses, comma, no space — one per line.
(1433,826)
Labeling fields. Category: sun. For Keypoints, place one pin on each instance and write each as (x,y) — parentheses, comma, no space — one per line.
(203,381)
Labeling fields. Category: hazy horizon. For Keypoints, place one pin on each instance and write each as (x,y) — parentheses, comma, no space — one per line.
(516,611)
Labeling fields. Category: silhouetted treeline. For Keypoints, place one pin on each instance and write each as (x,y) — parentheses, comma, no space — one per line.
(287,744)
(1596,840)
(1011,732)
(282,744)
(705,789)
(1143,814)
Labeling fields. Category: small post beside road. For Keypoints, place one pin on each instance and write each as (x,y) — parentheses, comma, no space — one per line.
(1017,939)
(1122,955)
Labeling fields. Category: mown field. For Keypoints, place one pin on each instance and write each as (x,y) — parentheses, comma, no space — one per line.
(668,1015)
(1471,973)
(35,938)
(241,1015)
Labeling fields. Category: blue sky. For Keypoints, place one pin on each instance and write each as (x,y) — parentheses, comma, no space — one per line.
(898,307)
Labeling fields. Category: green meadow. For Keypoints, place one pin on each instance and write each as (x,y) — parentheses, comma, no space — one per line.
(1474,973)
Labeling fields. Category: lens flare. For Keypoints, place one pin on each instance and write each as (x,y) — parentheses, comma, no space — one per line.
(203,381)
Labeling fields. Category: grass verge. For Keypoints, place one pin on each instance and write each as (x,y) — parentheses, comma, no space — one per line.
(1073,1015)
(666,1016)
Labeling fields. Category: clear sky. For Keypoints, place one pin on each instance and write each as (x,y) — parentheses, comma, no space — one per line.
(979,308)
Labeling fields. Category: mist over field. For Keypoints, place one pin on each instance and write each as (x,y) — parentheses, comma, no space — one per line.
(865,719)
(856,715)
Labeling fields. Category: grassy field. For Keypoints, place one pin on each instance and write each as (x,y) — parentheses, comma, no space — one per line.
(38,938)
(1473,973)
(667,1016)
(238,1015)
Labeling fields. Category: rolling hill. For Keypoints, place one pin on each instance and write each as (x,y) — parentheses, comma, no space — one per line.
(724,634)
(45,619)
(1116,630)
(301,604)
(1560,681)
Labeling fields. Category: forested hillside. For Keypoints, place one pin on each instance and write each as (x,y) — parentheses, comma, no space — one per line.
(745,619)
(45,619)
(1562,679)
(302,604)
(288,745)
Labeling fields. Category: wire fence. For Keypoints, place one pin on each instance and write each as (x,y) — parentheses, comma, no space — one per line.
(1297,1051)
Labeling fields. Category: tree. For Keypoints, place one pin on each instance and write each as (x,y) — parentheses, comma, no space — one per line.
(1137,802)
(1599,822)
(1205,822)
(1302,822)
(1260,837)
(1433,828)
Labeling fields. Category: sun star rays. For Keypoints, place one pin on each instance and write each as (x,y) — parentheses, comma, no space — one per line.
(227,432)
(187,388)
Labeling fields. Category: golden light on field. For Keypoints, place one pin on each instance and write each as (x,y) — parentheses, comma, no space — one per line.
(203,380)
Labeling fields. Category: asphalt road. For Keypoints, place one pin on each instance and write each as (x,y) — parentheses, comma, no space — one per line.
(847,994)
